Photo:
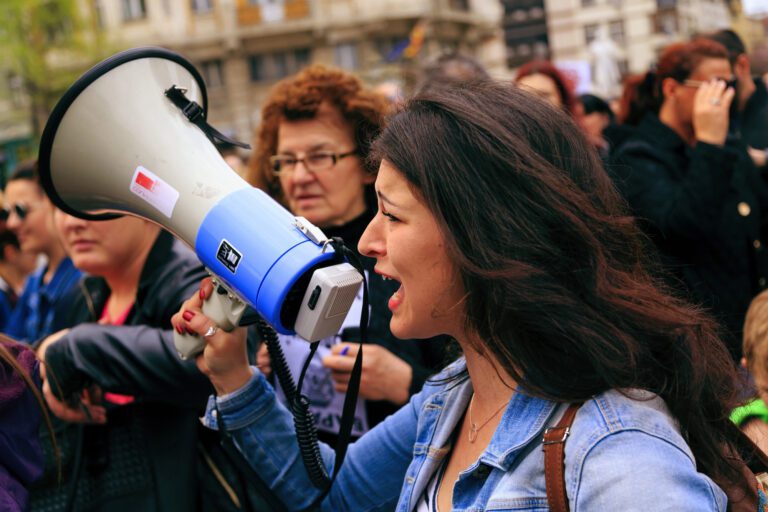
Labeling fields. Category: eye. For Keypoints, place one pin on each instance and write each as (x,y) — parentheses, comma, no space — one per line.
(390,217)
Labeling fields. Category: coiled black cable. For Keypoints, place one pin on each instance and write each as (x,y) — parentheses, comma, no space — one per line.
(304,422)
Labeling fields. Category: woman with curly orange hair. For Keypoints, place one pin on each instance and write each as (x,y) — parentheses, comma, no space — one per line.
(311,154)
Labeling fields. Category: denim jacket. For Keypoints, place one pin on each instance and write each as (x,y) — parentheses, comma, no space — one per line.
(32,318)
(623,453)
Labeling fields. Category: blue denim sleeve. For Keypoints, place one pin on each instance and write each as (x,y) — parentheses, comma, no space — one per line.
(636,470)
(373,470)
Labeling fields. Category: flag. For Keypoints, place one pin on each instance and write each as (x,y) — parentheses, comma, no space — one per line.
(409,47)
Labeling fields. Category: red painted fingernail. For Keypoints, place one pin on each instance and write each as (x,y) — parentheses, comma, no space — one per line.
(179,329)
(202,294)
(188,315)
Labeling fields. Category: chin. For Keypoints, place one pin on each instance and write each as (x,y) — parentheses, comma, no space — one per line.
(409,331)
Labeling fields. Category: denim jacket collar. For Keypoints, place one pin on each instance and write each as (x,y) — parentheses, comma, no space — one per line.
(524,419)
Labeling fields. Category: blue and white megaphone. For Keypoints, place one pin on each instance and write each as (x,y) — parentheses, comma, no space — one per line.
(130,137)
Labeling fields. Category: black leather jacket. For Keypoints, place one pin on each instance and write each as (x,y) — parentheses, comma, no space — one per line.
(144,457)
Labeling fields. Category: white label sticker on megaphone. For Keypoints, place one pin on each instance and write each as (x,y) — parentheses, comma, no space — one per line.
(148,186)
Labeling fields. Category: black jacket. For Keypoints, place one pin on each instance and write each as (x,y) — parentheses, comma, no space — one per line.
(144,457)
(704,208)
(753,122)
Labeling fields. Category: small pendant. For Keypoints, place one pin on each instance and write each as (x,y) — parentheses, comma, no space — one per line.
(472,432)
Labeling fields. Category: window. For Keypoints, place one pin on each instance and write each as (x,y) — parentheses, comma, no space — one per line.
(274,66)
(536,12)
(519,15)
(134,10)
(588,3)
(202,6)
(459,5)
(590,32)
(98,14)
(666,22)
(345,56)
(523,50)
(666,4)
(213,73)
(616,29)
(623,65)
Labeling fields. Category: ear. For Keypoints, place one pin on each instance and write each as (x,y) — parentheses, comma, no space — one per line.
(668,87)
(368,178)
(742,68)
(744,363)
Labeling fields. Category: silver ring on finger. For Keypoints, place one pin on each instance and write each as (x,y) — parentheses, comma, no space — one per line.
(211,331)
(715,101)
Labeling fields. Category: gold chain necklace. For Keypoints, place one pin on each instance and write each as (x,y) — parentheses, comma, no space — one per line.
(474,428)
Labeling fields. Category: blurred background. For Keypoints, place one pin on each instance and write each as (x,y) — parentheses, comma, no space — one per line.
(242,47)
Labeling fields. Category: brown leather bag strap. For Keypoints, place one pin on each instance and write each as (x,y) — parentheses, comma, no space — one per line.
(554,460)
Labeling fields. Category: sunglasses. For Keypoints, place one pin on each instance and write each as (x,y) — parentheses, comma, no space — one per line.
(20,209)
(698,83)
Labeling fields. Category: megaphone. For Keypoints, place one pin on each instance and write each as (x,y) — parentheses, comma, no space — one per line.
(130,137)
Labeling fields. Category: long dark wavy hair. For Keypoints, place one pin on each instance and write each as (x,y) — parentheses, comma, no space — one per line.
(554,269)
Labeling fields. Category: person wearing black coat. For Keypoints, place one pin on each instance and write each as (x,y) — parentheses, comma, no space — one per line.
(143,455)
(697,195)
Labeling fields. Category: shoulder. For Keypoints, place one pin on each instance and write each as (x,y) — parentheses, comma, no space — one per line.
(630,444)
(171,262)
(615,412)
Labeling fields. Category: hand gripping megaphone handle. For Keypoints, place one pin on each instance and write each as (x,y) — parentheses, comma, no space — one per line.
(224,308)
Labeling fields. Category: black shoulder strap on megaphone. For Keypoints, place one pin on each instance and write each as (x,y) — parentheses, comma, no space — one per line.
(196,116)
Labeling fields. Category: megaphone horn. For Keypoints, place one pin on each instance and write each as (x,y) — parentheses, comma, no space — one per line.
(131,137)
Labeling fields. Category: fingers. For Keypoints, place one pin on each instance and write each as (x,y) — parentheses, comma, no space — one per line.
(81,413)
(715,93)
(194,305)
(728,96)
(263,361)
(345,349)
(339,363)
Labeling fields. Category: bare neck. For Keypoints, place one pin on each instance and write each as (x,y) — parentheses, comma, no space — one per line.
(491,383)
(123,280)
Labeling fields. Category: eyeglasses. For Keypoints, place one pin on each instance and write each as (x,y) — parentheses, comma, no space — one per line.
(21,211)
(318,161)
(698,83)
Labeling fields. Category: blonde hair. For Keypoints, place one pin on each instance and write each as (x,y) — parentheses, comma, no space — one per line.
(755,345)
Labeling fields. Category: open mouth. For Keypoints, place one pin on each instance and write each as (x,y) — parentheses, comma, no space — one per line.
(397,298)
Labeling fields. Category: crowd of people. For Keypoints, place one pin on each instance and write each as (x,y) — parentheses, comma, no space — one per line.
(538,262)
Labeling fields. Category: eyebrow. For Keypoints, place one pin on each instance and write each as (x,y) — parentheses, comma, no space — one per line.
(316,147)
(384,198)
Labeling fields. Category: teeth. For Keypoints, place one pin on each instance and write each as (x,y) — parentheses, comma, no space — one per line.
(386,278)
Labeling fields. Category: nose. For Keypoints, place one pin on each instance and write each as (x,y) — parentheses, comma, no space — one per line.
(14,221)
(301,174)
(68,222)
(372,243)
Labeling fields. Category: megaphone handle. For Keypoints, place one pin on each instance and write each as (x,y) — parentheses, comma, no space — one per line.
(224,308)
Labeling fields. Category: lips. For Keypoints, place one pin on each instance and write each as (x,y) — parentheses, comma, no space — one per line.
(82,245)
(396,299)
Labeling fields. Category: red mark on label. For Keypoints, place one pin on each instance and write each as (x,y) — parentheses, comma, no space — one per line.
(144,181)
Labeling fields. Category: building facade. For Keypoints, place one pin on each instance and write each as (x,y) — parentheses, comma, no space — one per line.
(598,38)
(242,47)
